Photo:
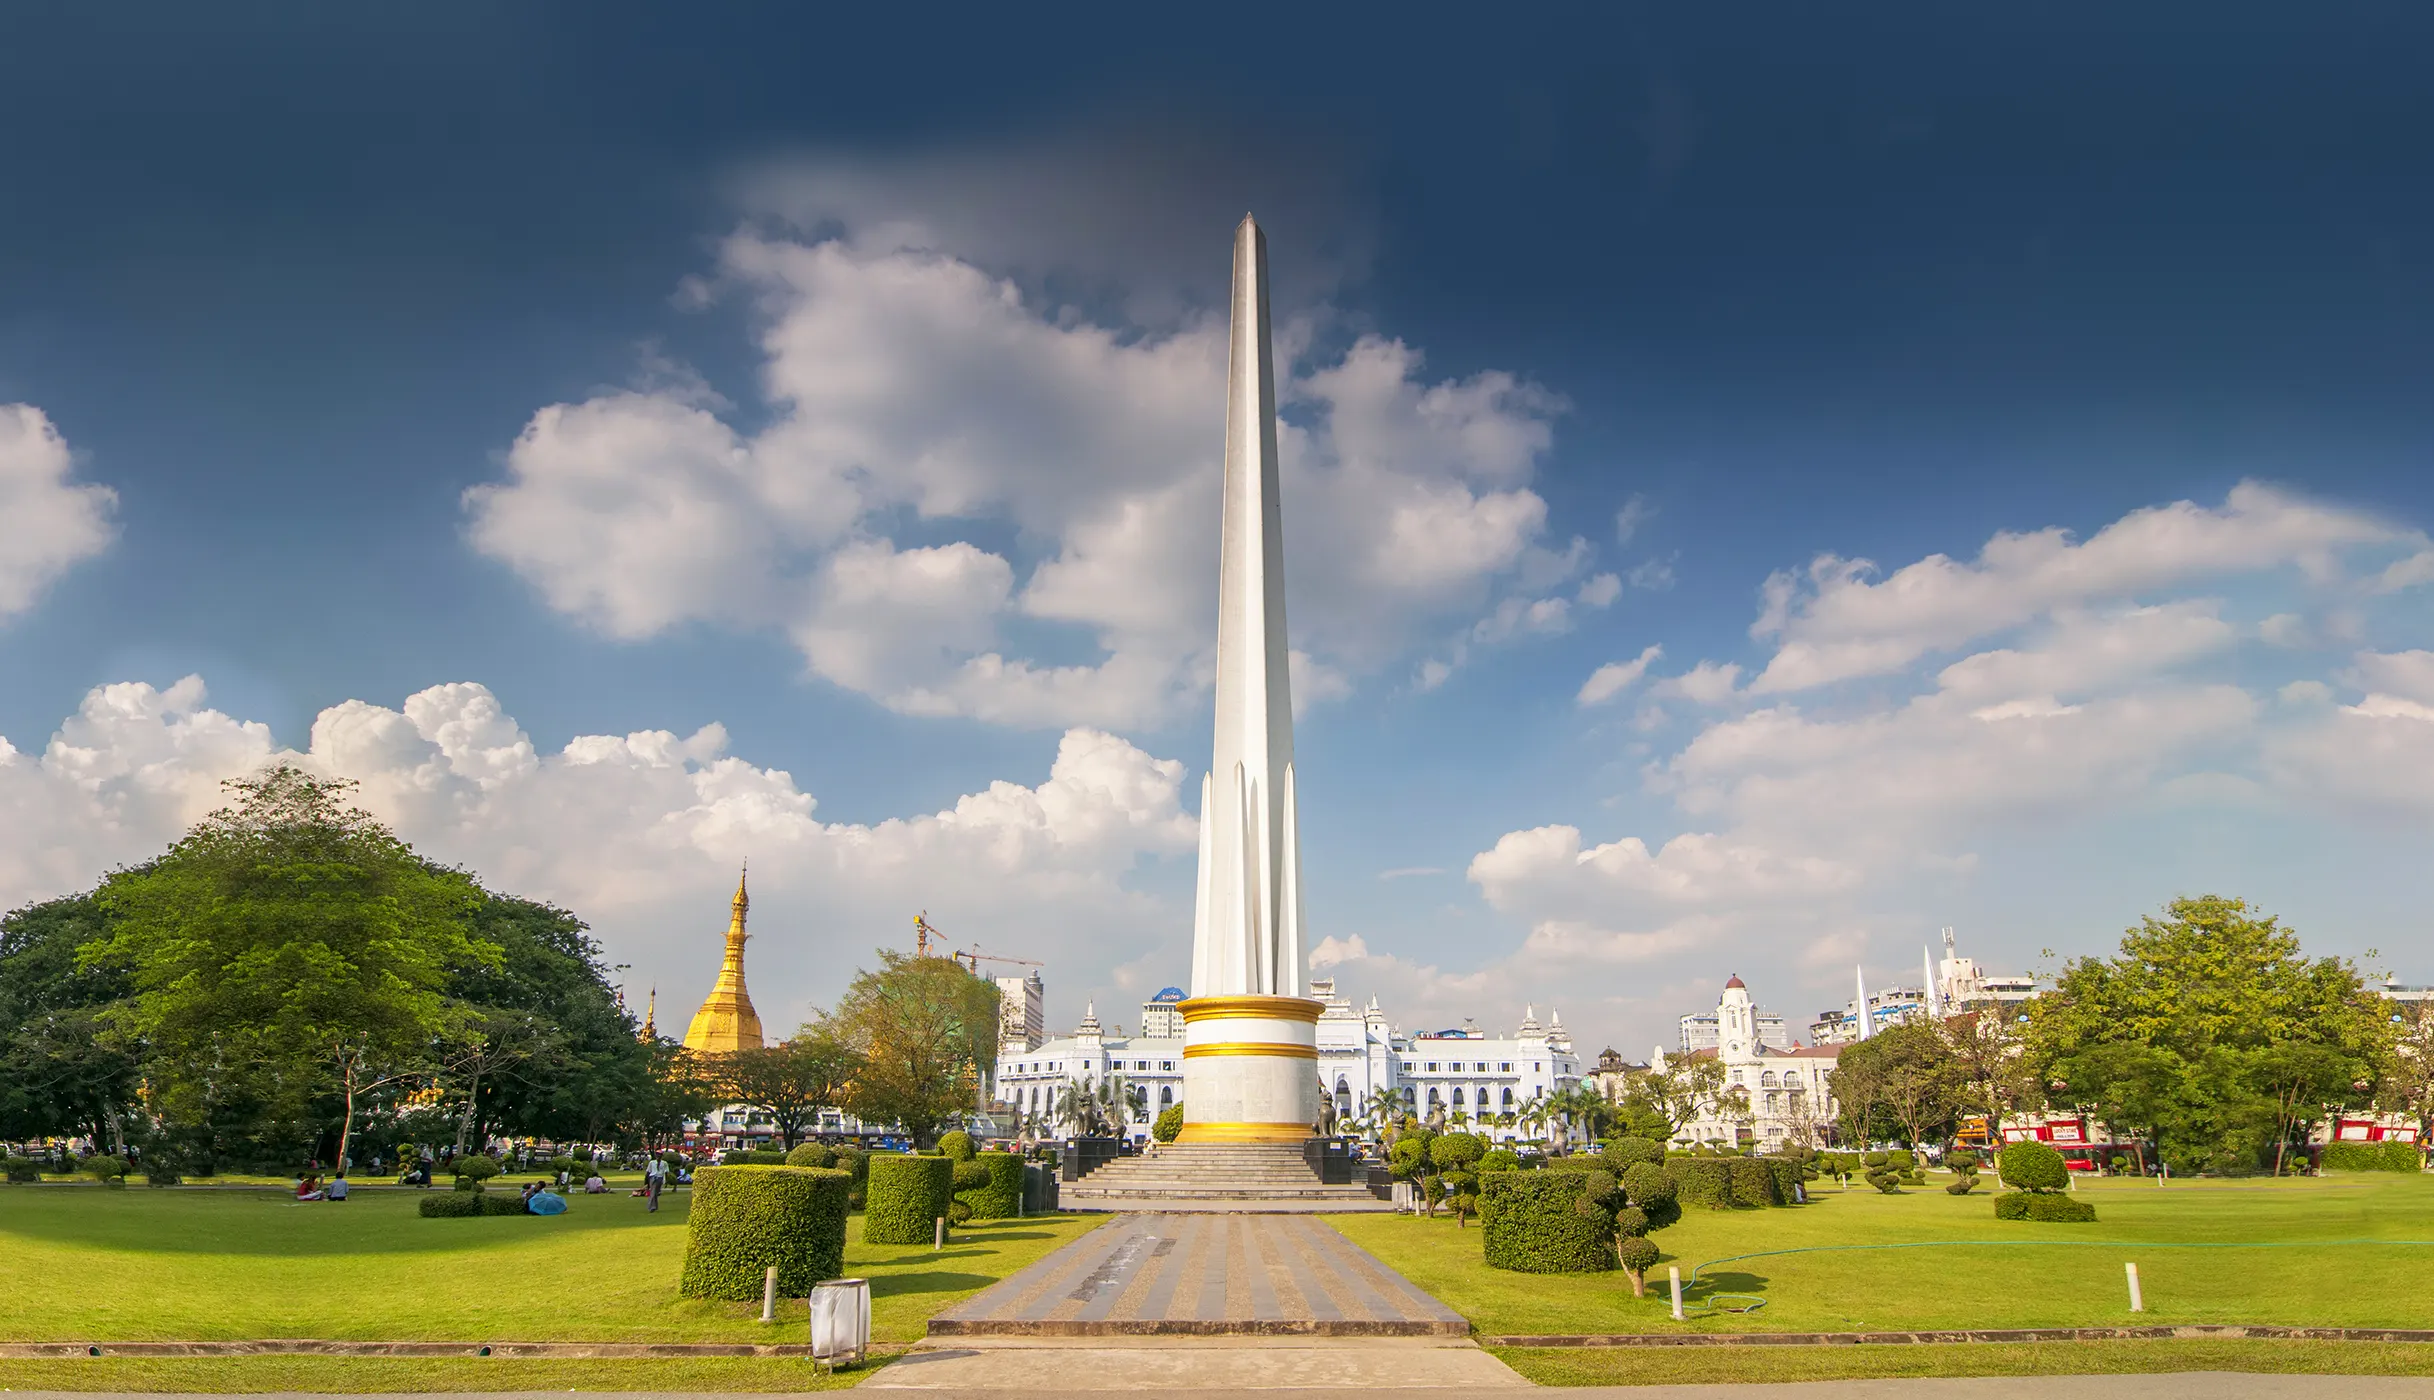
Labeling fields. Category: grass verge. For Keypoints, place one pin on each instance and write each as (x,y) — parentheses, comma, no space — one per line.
(2317,1252)
(1741,1365)
(348,1375)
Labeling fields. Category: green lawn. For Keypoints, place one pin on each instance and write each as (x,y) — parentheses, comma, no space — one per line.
(88,1264)
(1718,1365)
(2309,1280)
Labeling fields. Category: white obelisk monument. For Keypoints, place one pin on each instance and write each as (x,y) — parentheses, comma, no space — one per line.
(1250,1038)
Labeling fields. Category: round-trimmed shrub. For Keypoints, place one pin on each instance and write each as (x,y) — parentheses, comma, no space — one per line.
(1501,1159)
(2033,1166)
(991,1184)
(1169,1125)
(1533,1223)
(956,1146)
(162,1176)
(906,1197)
(745,1219)
(2042,1205)
(812,1154)
(1624,1152)
(472,1171)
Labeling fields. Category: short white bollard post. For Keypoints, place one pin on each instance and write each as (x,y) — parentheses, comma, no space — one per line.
(769,1295)
(942,1235)
(1676,1272)
(2137,1304)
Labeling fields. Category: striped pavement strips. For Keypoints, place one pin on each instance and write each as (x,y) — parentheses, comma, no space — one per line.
(1204,1275)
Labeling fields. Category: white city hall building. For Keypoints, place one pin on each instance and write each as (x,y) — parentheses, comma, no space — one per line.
(1459,1071)
(1773,1093)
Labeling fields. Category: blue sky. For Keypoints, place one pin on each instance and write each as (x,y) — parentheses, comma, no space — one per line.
(615,372)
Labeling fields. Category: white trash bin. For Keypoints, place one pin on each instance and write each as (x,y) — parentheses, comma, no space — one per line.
(840,1320)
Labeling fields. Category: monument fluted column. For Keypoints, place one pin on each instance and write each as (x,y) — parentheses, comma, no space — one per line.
(1250,1055)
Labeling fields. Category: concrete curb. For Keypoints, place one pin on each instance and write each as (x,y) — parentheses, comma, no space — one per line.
(1997,1334)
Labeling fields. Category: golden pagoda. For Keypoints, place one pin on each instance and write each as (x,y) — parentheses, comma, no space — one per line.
(726,1022)
(650,1019)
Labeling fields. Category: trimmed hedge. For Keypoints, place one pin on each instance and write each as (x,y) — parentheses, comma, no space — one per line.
(1788,1176)
(998,1191)
(956,1146)
(470,1202)
(1534,1223)
(2370,1157)
(740,1157)
(1753,1181)
(854,1162)
(1703,1181)
(906,1197)
(747,1218)
(21,1170)
(1169,1124)
(812,1154)
(2042,1205)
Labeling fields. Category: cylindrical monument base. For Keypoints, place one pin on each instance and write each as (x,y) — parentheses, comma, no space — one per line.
(1250,1069)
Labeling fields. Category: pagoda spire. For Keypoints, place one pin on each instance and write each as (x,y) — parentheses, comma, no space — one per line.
(726,1022)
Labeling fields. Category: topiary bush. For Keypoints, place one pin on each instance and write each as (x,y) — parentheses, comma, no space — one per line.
(1536,1223)
(1169,1123)
(748,1218)
(745,1157)
(162,1176)
(1456,1158)
(991,1185)
(1626,1152)
(2042,1205)
(956,1146)
(108,1170)
(812,1154)
(21,1170)
(2033,1166)
(1964,1173)
(1500,1159)
(906,1197)
(472,1171)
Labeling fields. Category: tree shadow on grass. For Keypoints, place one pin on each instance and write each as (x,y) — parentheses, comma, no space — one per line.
(943,1281)
(1712,1290)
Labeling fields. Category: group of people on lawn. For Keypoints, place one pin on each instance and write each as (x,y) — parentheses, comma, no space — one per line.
(538,1199)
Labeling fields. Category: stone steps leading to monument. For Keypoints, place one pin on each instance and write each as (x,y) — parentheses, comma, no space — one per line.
(1212,1172)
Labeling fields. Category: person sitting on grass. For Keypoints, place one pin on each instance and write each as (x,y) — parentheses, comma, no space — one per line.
(531,1189)
(308,1188)
(594,1186)
(545,1202)
(338,1186)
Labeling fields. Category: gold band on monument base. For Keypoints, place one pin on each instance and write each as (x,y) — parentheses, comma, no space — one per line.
(1281,1049)
(1295,1133)
(1271,1008)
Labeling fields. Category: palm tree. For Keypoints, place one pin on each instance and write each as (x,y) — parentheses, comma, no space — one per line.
(1533,1116)
(1381,1112)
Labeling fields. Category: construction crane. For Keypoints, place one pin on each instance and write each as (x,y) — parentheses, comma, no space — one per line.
(972,958)
(923,931)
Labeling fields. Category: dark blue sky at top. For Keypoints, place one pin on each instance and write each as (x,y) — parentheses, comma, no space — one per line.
(291,279)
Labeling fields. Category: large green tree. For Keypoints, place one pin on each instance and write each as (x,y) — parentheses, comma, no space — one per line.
(288,949)
(1906,1073)
(2185,1036)
(792,1080)
(550,1052)
(925,1030)
(59,1074)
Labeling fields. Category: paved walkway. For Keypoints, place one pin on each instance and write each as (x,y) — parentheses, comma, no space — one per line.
(2187,1385)
(1239,1275)
(1198,1364)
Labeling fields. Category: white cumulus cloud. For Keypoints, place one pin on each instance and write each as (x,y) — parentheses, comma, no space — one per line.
(48,521)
